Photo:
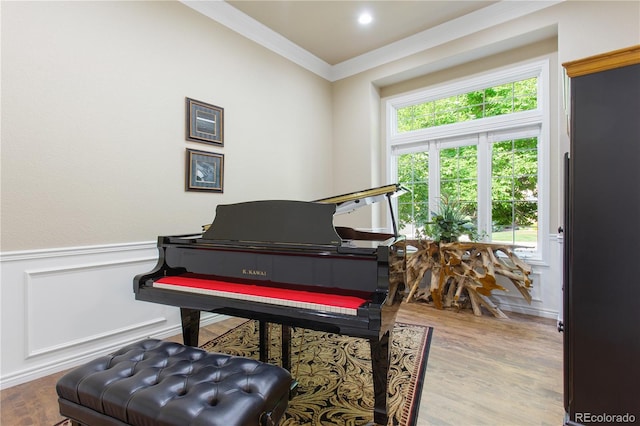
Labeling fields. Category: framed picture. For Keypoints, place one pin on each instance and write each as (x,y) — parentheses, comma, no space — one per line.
(205,122)
(205,171)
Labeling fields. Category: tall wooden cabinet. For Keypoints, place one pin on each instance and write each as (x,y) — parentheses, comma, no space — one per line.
(602,241)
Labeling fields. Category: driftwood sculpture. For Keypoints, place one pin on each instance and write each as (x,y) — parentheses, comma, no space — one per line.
(465,267)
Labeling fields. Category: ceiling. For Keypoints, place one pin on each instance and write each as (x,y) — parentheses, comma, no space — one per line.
(324,36)
(330,29)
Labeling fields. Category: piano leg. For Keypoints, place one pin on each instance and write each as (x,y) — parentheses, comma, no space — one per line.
(265,341)
(286,347)
(380,367)
(190,326)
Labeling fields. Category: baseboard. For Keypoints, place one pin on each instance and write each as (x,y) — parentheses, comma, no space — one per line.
(529,310)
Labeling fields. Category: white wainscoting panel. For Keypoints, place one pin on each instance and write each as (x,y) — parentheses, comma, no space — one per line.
(63,307)
(546,293)
(95,300)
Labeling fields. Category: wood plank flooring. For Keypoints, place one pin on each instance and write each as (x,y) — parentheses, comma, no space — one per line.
(481,371)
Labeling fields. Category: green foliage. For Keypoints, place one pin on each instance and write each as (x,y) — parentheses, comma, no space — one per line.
(450,222)
(514,183)
(413,172)
(489,102)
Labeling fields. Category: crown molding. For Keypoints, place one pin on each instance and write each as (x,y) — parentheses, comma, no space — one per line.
(471,23)
(227,15)
(604,62)
(495,14)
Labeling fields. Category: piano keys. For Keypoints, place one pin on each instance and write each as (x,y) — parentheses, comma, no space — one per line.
(284,262)
(295,298)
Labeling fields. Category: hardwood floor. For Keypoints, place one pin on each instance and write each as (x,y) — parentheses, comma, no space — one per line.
(481,371)
(489,371)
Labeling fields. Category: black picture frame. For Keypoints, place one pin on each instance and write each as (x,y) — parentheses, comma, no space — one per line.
(204,122)
(204,171)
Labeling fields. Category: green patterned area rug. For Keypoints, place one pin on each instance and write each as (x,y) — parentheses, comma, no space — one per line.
(335,384)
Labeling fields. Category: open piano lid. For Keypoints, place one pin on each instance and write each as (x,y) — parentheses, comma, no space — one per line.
(349,202)
(291,222)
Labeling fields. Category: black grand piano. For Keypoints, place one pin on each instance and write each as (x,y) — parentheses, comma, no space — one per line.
(284,262)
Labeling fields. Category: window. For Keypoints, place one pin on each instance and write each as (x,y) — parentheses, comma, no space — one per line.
(480,142)
(459,176)
(491,101)
(413,172)
(514,191)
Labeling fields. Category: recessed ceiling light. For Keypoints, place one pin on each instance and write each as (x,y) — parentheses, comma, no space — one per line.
(365,18)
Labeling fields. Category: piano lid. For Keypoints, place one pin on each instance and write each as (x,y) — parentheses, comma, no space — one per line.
(349,202)
(292,222)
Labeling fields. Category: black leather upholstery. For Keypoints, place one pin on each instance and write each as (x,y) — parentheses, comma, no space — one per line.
(153,382)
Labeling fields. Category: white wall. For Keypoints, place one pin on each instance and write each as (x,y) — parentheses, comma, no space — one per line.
(93,161)
(93,117)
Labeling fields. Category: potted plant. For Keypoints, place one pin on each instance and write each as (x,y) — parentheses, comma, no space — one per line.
(450,222)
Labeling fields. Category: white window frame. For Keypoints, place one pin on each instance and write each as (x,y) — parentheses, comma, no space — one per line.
(485,131)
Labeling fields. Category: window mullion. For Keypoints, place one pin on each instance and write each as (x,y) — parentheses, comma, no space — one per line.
(434,176)
(484,184)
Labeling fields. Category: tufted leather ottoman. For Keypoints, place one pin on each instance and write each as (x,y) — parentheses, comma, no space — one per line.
(153,382)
